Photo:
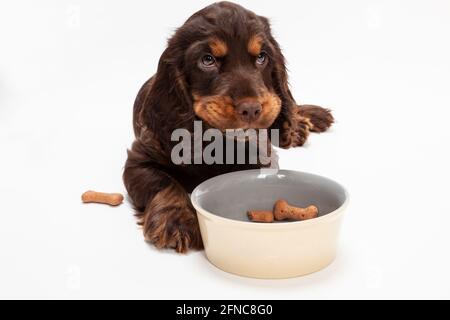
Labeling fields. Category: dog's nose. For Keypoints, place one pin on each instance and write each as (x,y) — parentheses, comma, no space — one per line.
(248,111)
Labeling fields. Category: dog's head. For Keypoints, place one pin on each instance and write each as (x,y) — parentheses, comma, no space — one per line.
(224,66)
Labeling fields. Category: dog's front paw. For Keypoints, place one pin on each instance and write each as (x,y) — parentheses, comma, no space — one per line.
(320,118)
(184,234)
(170,221)
(175,230)
(294,132)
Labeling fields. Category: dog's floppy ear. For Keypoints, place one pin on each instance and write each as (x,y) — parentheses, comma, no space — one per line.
(168,104)
(279,77)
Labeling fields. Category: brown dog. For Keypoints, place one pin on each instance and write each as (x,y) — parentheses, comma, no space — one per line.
(222,67)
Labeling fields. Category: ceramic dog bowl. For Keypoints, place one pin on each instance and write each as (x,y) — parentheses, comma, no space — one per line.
(268,250)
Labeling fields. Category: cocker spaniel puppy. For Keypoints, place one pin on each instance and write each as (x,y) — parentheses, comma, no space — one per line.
(224,68)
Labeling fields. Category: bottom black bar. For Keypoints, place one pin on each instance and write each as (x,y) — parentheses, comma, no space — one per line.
(217,309)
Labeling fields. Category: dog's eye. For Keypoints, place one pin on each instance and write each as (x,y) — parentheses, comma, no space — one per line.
(261,58)
(208,60)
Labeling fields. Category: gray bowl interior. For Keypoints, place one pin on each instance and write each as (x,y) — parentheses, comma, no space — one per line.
(232,195)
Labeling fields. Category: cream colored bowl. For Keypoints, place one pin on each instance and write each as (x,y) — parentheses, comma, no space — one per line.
(268,250)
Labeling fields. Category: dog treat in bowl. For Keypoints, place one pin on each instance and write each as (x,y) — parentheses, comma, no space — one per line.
(284,211)
(260,216)
(113,199)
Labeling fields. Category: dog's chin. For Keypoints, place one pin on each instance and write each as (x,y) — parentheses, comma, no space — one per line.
(234,124)
(231,125)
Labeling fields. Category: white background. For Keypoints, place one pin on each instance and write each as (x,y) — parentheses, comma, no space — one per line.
(70,70)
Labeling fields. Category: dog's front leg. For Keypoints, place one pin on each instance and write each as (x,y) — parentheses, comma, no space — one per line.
(163,206)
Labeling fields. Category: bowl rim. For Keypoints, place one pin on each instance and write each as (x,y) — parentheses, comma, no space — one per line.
(249,224)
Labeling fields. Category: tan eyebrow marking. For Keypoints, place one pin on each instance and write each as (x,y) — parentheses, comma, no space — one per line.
(254,45)
(218,47)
